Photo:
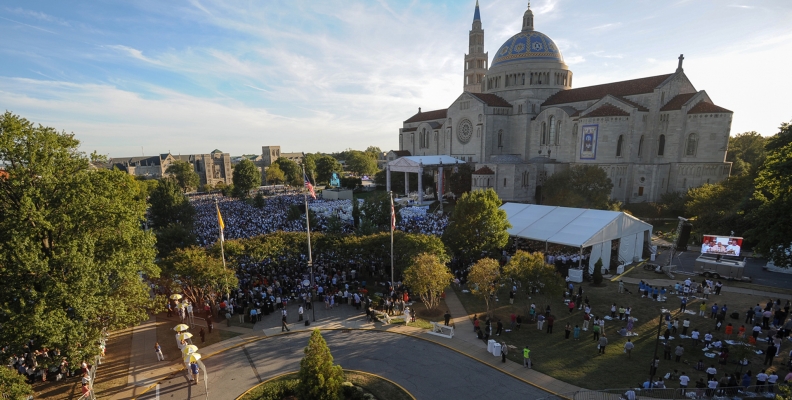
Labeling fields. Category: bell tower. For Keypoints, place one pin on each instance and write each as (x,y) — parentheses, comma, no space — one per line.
(476,59)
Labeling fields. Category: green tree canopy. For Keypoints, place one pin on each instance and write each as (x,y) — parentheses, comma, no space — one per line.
(275,175)
(461,179)
(477,225)
(773,219)
(13,386)
(197,274)
(582,186)
(534,274)
(428,277)
(185,175)
(309,162)
(721,207)
(746,152)
(246,178)
(376,209)
(325,166)
(361,163)
(484,276)
(319,378)
(291,170)
(168,205)
(72,247)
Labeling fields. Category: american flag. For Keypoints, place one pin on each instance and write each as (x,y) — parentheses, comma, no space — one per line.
(393,215)
(309,186)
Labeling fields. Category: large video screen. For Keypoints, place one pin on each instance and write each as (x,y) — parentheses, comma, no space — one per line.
(723,245)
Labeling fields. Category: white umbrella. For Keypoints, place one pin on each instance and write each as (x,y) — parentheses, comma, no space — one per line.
(190,349)
(193,357)
(175,296)
(181,328)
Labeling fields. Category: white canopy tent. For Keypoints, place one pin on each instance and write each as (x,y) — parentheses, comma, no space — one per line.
(580,227)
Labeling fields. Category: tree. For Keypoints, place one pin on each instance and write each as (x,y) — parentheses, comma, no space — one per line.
(597,277)
(534,274)
(13,385)
(291,170)
(583,186)
(198,274)
(361,163)
(746,152)
(355,213)
(309,162)
(168,205)
(477,225)
(773,219)
(72,247)
(325,167)
(246,178)
(428,277)
(376,209)
(185,175)
(721,207)
(374,152)
(275,175)
(461,179)
(485,277)
(319,378)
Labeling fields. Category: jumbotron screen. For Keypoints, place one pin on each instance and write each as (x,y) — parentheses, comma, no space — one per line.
(723,245)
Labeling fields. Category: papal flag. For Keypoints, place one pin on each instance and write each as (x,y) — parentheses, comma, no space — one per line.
(220,221)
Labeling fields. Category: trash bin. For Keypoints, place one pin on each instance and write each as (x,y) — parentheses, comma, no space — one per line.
(490,345)
(652,257)
(620,269)
(496,349)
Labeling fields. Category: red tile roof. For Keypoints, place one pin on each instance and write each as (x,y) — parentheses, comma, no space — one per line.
(484,171)
(634,104)
(704,108)
(428,116)
(492,100)
(618,89)
(677,102)
(607,110)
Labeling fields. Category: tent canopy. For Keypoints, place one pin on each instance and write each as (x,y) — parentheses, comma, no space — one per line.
(414,163)
(578,227)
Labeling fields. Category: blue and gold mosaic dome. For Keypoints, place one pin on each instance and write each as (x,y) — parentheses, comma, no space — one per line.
(525,46)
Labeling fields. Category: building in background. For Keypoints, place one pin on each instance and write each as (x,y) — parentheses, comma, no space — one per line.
(212,168)
(519,121)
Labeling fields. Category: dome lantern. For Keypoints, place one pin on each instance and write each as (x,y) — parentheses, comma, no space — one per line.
(528,19)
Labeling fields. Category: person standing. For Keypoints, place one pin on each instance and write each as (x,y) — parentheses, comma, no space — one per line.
(576,333)
(567,330)
(628,348)
(603,341)
(202,334)
(550,321)
(500,328)
(447,317)
(761,380)
(595,330)
(194,371)
(540,321)
(702,308)
(683,306)
(621,286)
(683,382)
(300,313)
(678,352)
(526,358)
(284,326)
(503,352)
(158,351)
(685,326)
(511,297)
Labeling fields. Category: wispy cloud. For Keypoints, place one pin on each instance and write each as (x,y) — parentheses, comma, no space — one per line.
(132,52)
(740,6)
(28,25)
(605,27)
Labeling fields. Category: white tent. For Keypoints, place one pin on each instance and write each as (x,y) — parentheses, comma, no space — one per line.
(579,227)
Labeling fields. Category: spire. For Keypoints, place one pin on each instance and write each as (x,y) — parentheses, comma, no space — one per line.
(477,14)
(528,19)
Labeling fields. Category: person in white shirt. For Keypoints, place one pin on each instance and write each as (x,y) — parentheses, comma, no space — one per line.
(629,394)
(761,380)
(683,382)
(771,381)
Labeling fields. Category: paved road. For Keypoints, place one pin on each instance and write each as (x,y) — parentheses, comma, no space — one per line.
(753,268)
(425,369)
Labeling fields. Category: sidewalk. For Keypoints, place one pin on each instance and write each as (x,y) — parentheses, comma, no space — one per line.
(145,372)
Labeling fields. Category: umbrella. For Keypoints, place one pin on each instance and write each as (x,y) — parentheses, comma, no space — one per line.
(181,328)
(175,296)
(185,335)
(192,357)
(190,349)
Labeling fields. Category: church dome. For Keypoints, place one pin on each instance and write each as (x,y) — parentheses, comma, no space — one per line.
(528,45)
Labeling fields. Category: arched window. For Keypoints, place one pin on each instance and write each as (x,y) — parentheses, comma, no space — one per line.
(640,146)
(692,142)
(552,131)
(661,145)
(558,129)
(544,133)
(619,146)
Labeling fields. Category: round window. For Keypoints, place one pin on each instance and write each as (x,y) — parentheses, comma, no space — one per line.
(465,131)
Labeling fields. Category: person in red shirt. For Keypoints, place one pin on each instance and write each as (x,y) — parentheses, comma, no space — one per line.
(571,306)
(85,390)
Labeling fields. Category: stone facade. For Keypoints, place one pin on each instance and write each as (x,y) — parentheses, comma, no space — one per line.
(525,122)
(212,168)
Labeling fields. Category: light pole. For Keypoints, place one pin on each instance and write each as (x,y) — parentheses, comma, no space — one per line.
(652,368)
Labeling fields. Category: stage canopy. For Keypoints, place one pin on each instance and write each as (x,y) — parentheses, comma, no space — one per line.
(577,227)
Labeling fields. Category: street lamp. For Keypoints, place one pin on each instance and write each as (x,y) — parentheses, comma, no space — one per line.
(652,368)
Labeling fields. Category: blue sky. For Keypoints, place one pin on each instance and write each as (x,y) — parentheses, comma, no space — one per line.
(151,76)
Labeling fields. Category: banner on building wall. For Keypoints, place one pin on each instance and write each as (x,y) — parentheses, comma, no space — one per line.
(588,150)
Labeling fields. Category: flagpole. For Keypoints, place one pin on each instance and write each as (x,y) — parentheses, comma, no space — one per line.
(393,226)
(310,257)
(222,245)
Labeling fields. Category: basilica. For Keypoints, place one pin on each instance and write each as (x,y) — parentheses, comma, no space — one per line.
(519,120)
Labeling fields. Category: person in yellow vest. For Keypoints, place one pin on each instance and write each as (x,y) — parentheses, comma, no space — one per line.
(526,357)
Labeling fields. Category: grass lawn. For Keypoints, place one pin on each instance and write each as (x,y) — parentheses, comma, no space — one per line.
(578,362)
(373,384)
